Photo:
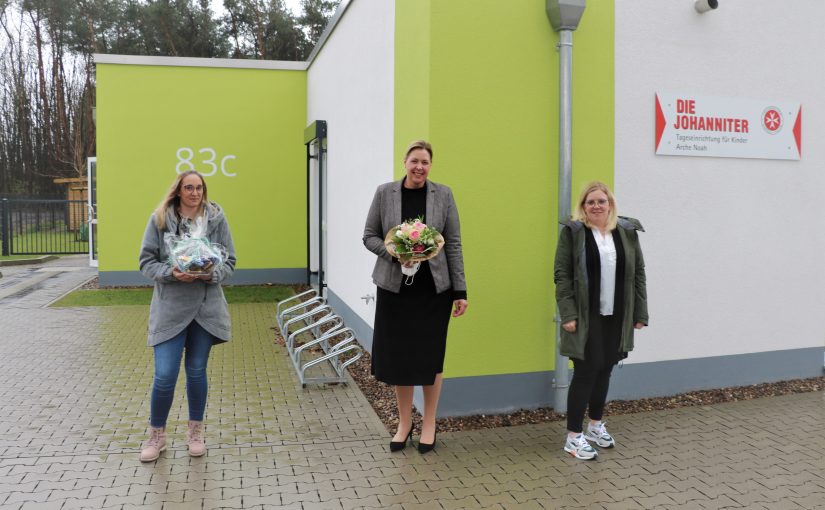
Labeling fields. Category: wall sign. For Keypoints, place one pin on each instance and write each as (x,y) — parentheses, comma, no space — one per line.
(689,125)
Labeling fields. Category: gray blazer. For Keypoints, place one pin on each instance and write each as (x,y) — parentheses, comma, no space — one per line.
(175,304)
(385,212)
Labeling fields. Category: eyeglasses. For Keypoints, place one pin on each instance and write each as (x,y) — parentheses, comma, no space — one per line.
(592,203)
(190,188)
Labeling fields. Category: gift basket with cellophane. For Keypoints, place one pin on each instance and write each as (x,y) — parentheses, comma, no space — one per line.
(194,255)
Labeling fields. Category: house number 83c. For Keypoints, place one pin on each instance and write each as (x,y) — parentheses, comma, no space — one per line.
(185,155)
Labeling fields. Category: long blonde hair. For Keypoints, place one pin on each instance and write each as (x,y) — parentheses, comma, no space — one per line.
(579,214)
(172,198)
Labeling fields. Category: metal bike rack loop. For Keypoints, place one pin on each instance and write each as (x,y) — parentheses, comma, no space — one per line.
(315,335)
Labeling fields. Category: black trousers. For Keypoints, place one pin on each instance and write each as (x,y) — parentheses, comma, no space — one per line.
(588,388)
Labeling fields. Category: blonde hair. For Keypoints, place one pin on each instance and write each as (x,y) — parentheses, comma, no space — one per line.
(612,216)
(172,198)
(419,144)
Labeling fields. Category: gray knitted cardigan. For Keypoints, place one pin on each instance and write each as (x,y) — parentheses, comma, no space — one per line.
(176,304)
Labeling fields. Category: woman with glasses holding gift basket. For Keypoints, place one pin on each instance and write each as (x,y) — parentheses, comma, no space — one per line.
(187,251)
(413,228)
(602,296)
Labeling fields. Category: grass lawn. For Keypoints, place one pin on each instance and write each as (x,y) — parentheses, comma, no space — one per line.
(143,296)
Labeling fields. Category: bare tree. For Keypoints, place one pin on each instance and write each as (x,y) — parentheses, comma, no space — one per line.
(47,69)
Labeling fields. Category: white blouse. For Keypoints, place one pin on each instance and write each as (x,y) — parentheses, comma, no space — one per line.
(607,256)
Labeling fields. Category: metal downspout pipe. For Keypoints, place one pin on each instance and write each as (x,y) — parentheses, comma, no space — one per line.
(561,381)
(564,16)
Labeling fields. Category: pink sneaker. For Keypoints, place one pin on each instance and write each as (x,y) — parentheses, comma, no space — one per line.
(194,436)
(154,445)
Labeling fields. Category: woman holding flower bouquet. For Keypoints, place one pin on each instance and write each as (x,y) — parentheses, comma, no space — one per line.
(602,297)
(418,288)
(188,312)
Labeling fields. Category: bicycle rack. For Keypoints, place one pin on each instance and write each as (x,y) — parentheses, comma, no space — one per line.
(295,304)
(306,321)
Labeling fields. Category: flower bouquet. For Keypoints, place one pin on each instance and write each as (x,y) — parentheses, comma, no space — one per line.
(194,255)
(413,241)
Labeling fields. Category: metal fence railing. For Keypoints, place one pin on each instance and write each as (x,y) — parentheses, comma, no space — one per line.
(43,227)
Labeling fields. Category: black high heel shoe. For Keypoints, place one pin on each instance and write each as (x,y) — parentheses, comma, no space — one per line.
(426,447)
(397,446)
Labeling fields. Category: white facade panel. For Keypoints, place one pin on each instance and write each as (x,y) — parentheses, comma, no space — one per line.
(733,246)
(350,85)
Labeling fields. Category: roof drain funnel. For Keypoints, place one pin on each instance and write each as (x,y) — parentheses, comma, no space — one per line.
(564,16)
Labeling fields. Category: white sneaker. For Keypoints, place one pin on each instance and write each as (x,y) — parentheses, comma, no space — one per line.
(579,447)
(598,434)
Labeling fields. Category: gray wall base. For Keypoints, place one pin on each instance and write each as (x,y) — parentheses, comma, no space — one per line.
(662,378)
(240,277)
(363,331)
(495,394)
(462,396)
(492,394)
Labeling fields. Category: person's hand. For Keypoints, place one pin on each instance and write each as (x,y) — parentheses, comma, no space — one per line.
(183,277)
(460,306)
(569,326)
(639,325)
(408,263)
(207,274)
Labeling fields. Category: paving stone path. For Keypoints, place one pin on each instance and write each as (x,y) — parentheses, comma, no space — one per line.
(74,387)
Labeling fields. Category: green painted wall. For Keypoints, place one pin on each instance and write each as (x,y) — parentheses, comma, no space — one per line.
(147,115)
(412,75)
(480,80)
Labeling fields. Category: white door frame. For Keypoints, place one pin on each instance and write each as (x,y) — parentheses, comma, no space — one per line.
(91,205)
(315,140)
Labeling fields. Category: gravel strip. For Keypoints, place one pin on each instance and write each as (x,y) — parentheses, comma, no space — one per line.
(382,398)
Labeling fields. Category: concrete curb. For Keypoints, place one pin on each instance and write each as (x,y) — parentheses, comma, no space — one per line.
(24,262)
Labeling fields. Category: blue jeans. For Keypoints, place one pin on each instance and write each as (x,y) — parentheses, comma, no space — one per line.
(197,342)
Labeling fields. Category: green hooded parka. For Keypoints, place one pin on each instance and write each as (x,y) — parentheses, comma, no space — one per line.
(570,276)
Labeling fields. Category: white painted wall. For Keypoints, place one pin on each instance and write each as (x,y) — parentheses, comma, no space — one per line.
(733,246)
(350,85)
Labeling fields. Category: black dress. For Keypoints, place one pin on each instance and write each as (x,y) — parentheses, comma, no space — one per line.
(410,331)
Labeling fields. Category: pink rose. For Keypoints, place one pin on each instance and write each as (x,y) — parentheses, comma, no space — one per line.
(414,235)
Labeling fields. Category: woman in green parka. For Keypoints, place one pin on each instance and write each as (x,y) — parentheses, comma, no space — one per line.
(602,297)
